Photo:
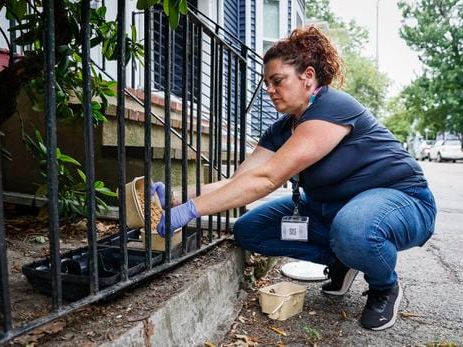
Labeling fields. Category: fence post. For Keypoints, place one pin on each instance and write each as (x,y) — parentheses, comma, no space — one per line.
(52,173)
(243,98)
(148,36)
(167,137)
(185,84)
(4,282)
(89,150)
(121,135)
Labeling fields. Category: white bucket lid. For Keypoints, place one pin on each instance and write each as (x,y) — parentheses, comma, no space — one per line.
(304,271)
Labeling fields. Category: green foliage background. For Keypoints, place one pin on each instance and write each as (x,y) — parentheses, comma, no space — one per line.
(434,28)
(363,80)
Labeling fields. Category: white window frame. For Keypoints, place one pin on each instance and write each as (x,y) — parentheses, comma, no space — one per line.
(260,25)
(298,12)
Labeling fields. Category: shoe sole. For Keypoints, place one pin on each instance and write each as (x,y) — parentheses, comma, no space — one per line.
(348,280)
(396,311)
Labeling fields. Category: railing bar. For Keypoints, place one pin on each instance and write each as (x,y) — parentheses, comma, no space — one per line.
(121,75)
(133,62)
(12,39)
(251,102)
(192,69)
(260,113)
(235,124)
(219,128)
(103,59)
(185,75)
(243,110)
(167,139)
(148,41)
(52,173)
(106,292)
(229,93)
(235,159)
(89,148)
(212,114)
(4,283)
(198,133)
(160,44)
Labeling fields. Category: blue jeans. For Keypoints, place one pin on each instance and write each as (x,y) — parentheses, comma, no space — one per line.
(364,233)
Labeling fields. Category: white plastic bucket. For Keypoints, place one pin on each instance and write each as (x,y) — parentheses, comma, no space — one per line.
(282,300)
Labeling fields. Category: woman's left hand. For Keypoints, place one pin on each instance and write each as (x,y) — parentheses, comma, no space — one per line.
(179,217)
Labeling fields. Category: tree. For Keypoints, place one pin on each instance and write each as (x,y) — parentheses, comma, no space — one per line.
(363,80)
(399,118)
(434,28)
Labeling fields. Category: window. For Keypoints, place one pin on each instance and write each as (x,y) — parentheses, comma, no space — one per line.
(271,31)
(299,22)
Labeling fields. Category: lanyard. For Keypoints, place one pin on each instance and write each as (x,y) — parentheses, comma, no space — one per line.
(296,194)
(296,181)
(312,97)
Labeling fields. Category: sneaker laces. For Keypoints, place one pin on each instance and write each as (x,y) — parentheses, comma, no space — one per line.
(376,297)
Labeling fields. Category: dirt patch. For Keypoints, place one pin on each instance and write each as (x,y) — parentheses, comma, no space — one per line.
(27,241)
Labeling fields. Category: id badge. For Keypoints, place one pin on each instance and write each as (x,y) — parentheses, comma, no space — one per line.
(295,228)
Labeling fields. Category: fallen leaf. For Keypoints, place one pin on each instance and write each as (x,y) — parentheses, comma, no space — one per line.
(55,327)
(409,314)
(343,314)
(51,328)
(278,331)
(312,313)
(209,344)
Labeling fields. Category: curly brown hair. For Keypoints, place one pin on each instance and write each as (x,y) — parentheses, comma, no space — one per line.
(309,47)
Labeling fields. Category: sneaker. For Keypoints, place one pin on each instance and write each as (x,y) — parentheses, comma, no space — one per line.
(381,309)
(341,278)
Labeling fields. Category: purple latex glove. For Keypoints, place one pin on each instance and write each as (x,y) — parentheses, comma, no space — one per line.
(160,189)
(179,216)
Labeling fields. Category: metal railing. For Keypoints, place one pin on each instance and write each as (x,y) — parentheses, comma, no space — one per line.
(226,103)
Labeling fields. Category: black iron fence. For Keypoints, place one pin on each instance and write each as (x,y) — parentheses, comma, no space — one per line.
(215,93)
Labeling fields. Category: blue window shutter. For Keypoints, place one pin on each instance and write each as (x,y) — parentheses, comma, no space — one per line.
(231,16)
(242,20)
(253,24)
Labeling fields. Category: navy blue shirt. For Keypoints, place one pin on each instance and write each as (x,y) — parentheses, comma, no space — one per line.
(368,157)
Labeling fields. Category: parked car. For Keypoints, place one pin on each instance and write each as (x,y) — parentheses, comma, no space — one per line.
(446,150)
(422,152)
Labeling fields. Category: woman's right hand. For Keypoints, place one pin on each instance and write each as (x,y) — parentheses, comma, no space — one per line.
(160,189)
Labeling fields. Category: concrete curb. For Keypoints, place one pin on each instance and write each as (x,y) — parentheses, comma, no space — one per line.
(202,312)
